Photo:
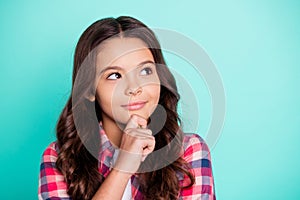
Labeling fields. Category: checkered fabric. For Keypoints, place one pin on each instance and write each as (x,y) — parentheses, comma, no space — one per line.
(52,185)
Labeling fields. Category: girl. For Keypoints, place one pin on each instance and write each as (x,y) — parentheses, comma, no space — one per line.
(119,135)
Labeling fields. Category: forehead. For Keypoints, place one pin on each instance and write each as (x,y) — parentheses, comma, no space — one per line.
(124,52)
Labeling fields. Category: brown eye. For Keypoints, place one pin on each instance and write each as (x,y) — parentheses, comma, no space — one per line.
(114,76)
(146,71)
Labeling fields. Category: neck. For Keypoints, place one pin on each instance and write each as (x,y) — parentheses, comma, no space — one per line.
(113,131)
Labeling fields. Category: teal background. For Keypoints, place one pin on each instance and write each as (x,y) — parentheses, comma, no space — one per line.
(254,44)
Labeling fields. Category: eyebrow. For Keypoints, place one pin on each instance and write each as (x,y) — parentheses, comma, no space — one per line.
(120,68)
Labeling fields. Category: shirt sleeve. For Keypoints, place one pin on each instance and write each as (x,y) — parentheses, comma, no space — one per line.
(52,185)
(197,155)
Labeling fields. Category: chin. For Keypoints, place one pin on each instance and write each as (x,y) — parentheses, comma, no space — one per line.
(144,114)
(124,118)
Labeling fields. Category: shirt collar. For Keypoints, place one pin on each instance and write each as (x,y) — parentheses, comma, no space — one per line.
(107,153)
(106,145)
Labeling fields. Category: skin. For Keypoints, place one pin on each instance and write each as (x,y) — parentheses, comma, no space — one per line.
(127,74)
(128,82)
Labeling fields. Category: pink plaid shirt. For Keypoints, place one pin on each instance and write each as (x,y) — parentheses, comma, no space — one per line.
(52,185)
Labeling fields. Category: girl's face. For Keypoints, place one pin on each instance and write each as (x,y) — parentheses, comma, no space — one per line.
(128,82)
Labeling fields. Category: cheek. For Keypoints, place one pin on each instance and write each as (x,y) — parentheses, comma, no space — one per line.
(104,98)
(152,86)
(109,97)
(154,92)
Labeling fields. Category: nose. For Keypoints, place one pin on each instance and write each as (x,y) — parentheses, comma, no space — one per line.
(133,88)
(133,91)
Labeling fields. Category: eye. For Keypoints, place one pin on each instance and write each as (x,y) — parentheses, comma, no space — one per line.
(114,76)
(146,71)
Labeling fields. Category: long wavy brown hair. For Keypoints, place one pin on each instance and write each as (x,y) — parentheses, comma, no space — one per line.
(78,164)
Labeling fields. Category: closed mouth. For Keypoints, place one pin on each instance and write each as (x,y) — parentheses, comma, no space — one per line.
(135,105)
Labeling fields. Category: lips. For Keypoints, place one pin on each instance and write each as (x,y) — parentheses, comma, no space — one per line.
(134,105)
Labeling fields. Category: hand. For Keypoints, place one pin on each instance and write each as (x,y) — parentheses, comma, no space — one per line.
(137,142)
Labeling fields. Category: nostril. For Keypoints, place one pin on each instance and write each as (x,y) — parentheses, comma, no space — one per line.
(136,91)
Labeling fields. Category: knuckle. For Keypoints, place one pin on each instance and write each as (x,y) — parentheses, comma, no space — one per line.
(150,132)
(128,130)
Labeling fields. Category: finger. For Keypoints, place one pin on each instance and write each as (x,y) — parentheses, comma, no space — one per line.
(145,154)
(143,132)
(148,149)
(136,121)
(149,145)
(140,133)
(142,122)
(144,157)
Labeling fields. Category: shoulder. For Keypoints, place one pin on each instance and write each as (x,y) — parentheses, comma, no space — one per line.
(195,147)
(193,138)
(50,153)
(197,155)
(194,141)
(52,184)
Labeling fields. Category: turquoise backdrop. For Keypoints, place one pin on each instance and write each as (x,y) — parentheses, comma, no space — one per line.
(254,44)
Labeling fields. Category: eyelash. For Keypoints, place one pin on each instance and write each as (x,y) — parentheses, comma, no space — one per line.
(116,73)
(147,69)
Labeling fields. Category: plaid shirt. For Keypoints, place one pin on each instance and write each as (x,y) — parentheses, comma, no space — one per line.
(52,185)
